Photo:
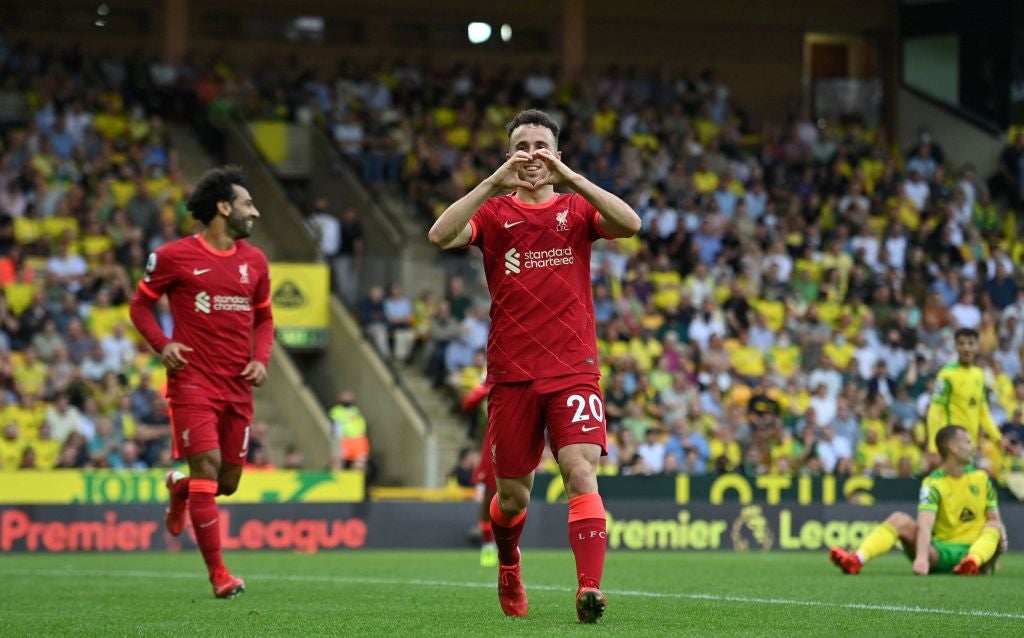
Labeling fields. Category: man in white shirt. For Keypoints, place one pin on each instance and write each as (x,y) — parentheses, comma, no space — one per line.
(66,268)
(831,449)
(325,228)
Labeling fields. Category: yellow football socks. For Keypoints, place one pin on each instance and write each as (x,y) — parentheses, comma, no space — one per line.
(879,541)
(983,549)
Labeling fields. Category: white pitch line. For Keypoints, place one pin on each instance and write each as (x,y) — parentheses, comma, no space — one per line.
(347,580)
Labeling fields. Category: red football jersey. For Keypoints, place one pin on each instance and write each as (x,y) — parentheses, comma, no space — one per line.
(213,295)
(537,261)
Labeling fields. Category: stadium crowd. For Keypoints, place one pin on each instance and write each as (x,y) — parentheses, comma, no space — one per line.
(89,185)
(793,291)
(785,308)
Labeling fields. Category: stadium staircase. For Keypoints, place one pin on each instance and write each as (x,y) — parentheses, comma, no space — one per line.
(410,259)
(414,436)
(285,402)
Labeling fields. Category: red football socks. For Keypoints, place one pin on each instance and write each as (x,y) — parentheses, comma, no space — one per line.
(486,532)
(180,488)
(506,533)
(202,507)
(588,537)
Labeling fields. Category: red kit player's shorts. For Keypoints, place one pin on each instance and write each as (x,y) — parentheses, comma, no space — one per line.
(484,471)
(200,427)
(570,407)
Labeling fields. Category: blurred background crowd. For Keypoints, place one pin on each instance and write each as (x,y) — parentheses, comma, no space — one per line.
(785,308)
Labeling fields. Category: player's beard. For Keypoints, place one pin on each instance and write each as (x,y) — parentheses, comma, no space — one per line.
(239,226)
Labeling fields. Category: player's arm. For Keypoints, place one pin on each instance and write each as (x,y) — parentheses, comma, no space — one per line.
(987,425)
(618,219)
(938,410)
(992,517)
(452,229)
(923,543)
(140,310)
(255,372)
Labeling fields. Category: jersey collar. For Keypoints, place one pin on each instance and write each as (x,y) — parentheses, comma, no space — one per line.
(529,206)
(211,249)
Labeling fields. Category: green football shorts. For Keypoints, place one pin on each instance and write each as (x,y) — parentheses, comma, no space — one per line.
(950,555)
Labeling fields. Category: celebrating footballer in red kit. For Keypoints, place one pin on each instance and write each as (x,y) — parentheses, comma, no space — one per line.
(218,287)
(541,351)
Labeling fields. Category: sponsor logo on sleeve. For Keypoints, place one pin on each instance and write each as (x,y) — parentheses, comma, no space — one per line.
(150,266)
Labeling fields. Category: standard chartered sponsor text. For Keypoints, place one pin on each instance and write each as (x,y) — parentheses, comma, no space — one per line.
(232,303)
(548,258)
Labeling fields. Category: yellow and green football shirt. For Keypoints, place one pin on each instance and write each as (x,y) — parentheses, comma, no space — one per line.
(960,504)
(959,399)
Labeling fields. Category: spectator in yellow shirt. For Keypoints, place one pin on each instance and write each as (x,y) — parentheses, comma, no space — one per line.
(747,361)
(44,451)
(872,456)
(30,374)
(12,447)
(725,452)
(785,355)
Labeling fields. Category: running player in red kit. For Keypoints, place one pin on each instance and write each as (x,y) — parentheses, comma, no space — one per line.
(542,351)
(219,292)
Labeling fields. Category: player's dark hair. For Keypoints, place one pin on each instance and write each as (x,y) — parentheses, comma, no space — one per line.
(943,438)
(535,117)
(965,332)
(217,185)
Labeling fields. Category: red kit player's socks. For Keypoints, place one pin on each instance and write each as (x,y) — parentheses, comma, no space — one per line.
(486,532)
(202,507)
(506,533)
(588,537)
(180,488)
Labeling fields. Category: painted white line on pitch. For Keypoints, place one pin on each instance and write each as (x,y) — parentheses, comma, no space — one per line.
(351,580)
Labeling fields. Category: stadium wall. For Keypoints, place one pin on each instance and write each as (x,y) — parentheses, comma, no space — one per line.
(632,526)
(960,139)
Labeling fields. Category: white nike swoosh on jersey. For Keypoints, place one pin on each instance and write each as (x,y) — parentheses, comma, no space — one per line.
(200,271)
(510,225)
(586,429)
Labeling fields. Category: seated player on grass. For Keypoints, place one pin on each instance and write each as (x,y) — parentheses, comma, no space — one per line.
(958,528)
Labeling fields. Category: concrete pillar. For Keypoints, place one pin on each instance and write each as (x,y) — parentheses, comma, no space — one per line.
(175,19)
(574,43)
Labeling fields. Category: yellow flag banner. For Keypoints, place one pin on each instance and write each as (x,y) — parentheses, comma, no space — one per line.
(104,487)
(286,147)
(300,294)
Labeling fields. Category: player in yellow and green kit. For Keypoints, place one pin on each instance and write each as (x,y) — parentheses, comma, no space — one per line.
(959,396)
(958,528)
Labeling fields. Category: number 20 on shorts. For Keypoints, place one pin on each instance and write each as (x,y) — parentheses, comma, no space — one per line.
(593,402)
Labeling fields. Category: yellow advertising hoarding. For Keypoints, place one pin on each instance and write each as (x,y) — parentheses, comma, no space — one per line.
(101,487)
(300,294)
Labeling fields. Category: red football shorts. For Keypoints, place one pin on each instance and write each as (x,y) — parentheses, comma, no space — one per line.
(570,408)
(200,427)
(484,471)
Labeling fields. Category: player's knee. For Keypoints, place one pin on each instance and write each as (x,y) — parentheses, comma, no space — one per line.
(900,520)
(227,487)
(580,478)
(512,503)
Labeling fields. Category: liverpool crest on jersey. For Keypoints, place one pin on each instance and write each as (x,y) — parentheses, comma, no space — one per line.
(243,273)
(562,221)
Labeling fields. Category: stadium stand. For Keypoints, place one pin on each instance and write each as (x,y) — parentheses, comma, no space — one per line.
(791,295)
(781,276)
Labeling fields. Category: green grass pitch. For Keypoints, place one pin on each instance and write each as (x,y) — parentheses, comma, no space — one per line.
(447,593)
